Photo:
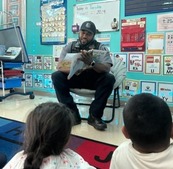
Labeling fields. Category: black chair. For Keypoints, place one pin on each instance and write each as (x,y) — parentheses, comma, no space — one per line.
(119,71)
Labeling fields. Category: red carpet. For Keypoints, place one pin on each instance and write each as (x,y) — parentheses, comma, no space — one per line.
(97,154)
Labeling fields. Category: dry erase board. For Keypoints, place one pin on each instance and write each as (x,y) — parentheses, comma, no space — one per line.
(101,13)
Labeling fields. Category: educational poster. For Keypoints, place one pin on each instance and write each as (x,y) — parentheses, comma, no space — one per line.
(104,39)
(165,22)
(47,63)
(133,34)
(48,81)
(57,50)
(168,64)
(130,87)
(122,56)
(135,62)
(169,43)
(165,91)
(53,18)
(38,62)
(152,64)
(28,80)
(155,43)
(38,80)
(30,64)
(55,63)
(148,87)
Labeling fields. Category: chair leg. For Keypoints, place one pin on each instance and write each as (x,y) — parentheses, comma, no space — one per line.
(116,104)
(117,97)
(113,108)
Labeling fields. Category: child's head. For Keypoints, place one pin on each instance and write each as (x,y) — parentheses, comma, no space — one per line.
(48,129)
(148,121)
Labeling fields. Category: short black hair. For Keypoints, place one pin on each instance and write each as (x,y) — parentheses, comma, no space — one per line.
(148,120)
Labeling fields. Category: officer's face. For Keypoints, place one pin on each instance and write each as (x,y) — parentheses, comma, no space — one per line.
(85,37)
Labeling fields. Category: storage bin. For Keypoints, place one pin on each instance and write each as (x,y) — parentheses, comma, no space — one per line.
(11,83)
(10,65)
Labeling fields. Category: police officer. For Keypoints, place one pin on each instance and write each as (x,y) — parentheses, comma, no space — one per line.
(96,77)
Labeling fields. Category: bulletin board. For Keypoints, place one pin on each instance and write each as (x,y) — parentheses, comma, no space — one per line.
(101,13)
(53,19)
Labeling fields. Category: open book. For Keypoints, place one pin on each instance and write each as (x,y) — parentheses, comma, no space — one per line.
(75,65)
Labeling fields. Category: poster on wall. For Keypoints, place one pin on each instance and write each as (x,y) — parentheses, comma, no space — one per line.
(14,14)
(165,22)
(53,18)
(168,64)
(152,64)
(155,43)
(165,91)
(48,81)
(47,62)
(130,87)
(38,80)
(28,80)
(55,63)
(38,62)
(169,43)
(122,56)
(135,62)
(133,34)
(148,87)
(57,50)
(104,39)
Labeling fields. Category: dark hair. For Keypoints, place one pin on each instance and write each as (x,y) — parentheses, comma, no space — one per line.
(48,129)
(148,120)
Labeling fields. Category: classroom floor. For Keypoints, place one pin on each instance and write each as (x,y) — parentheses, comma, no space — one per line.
(17,107)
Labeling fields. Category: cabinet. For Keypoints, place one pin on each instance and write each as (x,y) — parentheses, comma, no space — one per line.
(11,77)
(13,56)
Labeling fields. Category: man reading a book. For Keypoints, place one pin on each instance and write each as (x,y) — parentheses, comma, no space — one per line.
(95,76)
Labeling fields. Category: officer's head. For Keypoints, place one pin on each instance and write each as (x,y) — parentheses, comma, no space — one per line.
(87,32)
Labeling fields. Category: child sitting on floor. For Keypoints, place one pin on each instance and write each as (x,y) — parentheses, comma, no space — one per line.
(48,129)
(148,125)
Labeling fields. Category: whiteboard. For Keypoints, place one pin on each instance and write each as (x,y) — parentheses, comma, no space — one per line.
(101,13)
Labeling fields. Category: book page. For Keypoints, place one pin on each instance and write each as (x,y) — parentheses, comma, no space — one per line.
(71,61)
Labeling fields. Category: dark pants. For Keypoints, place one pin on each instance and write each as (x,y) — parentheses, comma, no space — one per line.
(89,79)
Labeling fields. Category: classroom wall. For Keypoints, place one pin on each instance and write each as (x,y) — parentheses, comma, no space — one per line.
(35,48)
(33,31)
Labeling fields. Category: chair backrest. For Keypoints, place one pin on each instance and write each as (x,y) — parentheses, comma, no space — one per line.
(119,71)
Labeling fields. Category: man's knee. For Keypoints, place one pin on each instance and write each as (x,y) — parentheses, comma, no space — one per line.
(110,79)
(57,76)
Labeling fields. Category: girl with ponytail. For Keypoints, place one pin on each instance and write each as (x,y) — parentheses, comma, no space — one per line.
(47,132)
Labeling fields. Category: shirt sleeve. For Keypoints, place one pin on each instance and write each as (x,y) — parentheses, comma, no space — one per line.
(107,58)
(66,49)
